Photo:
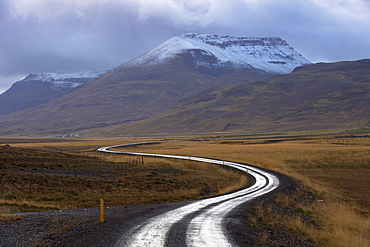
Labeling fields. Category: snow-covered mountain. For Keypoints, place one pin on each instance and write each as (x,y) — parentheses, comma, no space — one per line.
(272,55)
(64,80)
(39,88)
(145,86)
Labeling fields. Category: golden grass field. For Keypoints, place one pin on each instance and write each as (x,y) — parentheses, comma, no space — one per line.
(334,168)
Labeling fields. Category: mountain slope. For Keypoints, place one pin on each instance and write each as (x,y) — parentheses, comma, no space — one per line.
(149,85)
(313,97)
(40,88)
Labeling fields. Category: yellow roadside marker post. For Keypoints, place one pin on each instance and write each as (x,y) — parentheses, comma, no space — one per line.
(101,210)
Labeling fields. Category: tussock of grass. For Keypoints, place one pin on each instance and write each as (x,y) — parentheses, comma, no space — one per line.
(346,228)
(325,222)
(5,215)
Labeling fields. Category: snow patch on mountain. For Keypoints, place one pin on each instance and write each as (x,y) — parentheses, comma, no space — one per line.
(65,80)
(273,54)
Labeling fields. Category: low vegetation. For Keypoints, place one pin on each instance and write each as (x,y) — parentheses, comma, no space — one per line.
(38,180)
(330,207)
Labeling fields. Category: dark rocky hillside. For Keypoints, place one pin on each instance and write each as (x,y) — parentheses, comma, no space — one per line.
(23,95)
(39,88)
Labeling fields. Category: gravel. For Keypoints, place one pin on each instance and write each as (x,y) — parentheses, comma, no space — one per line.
(80,227)
(77,227)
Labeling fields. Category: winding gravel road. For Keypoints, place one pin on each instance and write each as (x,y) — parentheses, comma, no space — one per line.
(202,222)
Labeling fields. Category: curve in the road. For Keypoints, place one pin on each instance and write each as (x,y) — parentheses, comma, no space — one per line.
(202,219)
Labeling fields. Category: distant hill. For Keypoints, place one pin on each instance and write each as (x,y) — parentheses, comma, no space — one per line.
(39,88)
(314,97)
(156,81)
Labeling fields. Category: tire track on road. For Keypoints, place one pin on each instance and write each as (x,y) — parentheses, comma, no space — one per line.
(202,219)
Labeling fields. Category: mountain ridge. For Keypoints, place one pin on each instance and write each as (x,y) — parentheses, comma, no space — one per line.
(39,88)
(138,90)
(272,55)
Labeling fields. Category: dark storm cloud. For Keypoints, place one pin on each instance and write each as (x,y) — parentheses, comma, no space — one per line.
(62,35)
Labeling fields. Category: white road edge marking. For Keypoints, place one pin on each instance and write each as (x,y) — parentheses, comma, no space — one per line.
(206,229)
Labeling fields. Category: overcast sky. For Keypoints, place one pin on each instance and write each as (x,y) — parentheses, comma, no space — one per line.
(72,36)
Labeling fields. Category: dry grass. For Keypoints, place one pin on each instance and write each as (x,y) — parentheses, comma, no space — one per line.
(5,215)
(346,228)
(336,169)
(214,175)
(67,144)
(317,163)
(331,223)
(39,180)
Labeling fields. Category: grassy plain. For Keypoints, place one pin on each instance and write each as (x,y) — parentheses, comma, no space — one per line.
(39,176)
(335,169)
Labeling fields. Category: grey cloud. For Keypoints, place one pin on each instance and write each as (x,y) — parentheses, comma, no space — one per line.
(36,36)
